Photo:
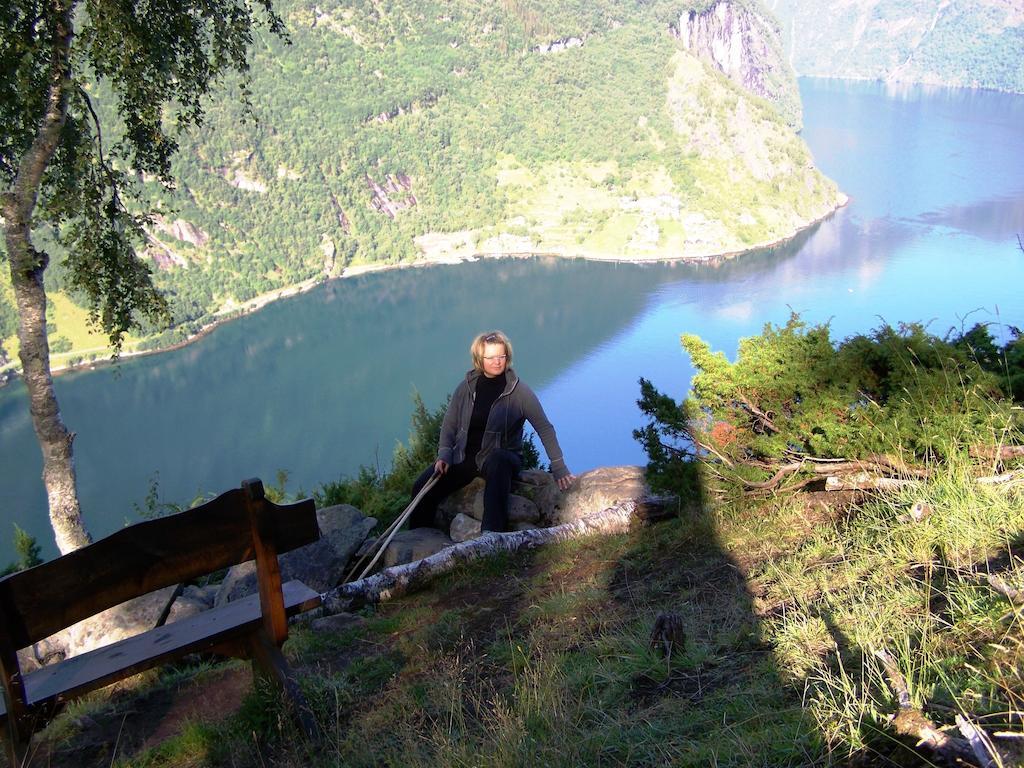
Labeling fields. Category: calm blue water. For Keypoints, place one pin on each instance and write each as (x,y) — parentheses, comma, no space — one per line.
(322,383)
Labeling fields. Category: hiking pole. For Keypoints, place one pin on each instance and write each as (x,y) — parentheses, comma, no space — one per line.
(391,530)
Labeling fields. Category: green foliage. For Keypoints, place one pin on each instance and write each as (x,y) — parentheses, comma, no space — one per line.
(153,71)
(1006,362)
(60,344)
(28,552)
(792,393)
(152,507)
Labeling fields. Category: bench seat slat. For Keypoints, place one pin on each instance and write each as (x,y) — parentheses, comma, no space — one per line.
(88,671)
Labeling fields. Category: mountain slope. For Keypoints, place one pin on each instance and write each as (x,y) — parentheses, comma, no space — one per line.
(976,44)
(397,130)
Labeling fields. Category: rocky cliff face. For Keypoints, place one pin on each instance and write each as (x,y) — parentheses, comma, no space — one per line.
(975,44)
(746,47)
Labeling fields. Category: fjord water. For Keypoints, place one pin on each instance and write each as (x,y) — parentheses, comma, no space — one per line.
(321,383)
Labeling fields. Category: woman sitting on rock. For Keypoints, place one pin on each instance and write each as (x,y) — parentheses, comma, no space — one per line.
(482,436)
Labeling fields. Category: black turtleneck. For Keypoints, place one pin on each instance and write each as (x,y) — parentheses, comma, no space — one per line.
(487,391)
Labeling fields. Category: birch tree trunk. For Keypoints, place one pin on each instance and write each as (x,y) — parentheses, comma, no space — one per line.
(403,579)
(27,268)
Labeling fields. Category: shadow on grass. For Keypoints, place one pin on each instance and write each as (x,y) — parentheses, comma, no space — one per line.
(719,697)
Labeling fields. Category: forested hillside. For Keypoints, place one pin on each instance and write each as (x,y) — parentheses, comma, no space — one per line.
(976,44)
(388,131)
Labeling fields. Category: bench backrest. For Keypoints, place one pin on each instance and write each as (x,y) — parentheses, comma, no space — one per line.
(236,526)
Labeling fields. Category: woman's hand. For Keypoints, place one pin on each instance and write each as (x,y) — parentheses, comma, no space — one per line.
(564,483)
(440,466)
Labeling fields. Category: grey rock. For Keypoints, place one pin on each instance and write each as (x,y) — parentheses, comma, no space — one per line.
(416,544)
(320,565)
(126,620)
(540,488)
(204,595)
(599,489)
(464,528)
(522,510)
(467,501)
(184,607)
(27,661)
(366,547)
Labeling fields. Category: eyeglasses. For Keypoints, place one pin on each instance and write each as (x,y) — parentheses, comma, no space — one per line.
(498,358)
(490,338)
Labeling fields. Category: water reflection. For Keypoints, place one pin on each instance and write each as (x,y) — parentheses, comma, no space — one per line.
(1000,219)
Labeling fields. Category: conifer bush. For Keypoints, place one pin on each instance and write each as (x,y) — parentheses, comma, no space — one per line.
(792,395)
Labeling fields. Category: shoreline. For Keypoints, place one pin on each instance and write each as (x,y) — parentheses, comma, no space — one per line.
(256,303)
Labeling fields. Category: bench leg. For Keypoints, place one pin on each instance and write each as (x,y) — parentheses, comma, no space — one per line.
(15,747)
(270,662)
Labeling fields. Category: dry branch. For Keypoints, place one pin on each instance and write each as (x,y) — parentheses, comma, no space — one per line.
(775,480)
(858,472)
(1006,479)
(911,721)
(1015,596)
(998,452)
(761,418)
(980,744)
(403,579)
(862,481)
(711,449)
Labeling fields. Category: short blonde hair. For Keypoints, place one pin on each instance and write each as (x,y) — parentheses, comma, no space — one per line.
(476,349)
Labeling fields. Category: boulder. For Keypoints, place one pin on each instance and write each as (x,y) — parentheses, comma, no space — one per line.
(469,501)
(522,510)
(540,488)
(205,595)
(464,528)
(187,605)
(320,565)
(599,489)
(131,618)
(414,545)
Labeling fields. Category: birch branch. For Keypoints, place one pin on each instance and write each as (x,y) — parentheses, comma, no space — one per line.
(1006,479)
(980,744)
(410,577)
(911,721)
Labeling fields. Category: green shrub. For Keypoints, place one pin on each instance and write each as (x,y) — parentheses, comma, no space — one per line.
(793,394)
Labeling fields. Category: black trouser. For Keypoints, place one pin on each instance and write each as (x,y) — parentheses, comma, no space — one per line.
(498,472)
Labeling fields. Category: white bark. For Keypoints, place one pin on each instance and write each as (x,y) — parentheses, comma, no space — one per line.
(27,267)
(402,579)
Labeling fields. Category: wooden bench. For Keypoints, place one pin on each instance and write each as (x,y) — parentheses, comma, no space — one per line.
(236,526)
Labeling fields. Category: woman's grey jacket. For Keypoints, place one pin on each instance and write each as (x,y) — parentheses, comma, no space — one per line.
(514,405)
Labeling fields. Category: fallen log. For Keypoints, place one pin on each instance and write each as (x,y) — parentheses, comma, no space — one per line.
(403,579)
